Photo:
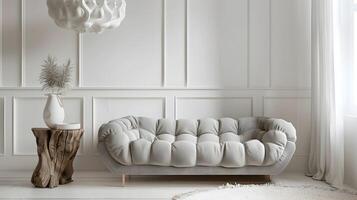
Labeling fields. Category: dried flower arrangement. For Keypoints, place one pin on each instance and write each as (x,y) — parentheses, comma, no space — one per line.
(55,78)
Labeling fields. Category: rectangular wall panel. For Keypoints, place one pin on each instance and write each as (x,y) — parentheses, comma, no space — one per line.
(109,108)
(11,43)
(2,126)
(297,111)
(1,33)
(259,43)
(175,43)
(217,43)
(128,56)
(42,38)
(213,107)
(290,43)
(28,114)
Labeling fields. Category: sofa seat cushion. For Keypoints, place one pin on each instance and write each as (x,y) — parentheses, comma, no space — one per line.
(187,143)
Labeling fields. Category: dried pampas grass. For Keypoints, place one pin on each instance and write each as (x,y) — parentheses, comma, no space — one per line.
(55,78)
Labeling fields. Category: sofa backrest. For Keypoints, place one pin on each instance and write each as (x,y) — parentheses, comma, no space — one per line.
(246,128)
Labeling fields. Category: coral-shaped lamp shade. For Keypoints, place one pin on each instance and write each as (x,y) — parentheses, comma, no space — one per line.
(87,15)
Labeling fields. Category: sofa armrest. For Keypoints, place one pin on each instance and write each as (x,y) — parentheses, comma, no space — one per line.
(280,125)
(278,134)
(117,126)
(116,135)
(267,125)
(274,136)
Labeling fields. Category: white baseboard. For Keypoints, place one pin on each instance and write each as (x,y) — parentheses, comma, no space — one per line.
(19,175)
(81,175)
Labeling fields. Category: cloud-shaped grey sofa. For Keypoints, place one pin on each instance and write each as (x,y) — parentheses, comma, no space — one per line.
(146,146)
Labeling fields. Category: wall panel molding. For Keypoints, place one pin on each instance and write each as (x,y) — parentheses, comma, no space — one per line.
(1,43)
(99,89)
(186,44)
(79,76)
(3,128)
(270,36)
(163,44)
(248,43)
(187,14)
(80,58)
(187,75)
(23,43)
(15,126)
(180,98)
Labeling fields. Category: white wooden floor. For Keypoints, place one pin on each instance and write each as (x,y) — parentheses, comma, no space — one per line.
(100,185)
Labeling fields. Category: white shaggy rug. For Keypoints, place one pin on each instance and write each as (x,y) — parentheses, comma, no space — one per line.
(277,190)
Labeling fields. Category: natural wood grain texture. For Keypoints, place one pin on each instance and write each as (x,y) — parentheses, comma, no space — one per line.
(267,178)
(56,150)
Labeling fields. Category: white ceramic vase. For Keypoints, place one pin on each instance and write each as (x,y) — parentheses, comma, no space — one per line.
(53,113)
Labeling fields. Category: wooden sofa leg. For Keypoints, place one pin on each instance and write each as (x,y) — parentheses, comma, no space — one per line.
(267,178)
(123,176)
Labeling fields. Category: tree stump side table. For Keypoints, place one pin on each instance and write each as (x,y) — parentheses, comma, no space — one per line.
(56,149)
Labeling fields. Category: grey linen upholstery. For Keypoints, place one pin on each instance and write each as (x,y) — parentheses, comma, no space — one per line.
(254,145)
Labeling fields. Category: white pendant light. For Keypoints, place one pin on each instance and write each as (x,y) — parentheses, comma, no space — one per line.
(87,15)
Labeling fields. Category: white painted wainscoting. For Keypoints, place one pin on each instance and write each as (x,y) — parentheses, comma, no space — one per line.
(169,58)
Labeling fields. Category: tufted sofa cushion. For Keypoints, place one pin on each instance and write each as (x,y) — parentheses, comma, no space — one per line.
(225,142)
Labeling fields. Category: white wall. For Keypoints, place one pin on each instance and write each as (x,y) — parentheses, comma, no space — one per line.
(170,58)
